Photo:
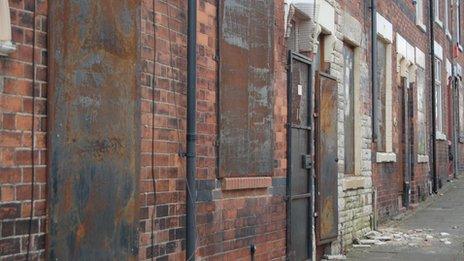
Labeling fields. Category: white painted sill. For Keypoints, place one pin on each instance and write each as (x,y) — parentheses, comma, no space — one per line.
(448,34)
(440,136)
(422,27)
(385,157)
(422,158)
(438,22)
(460,47)
(6,47)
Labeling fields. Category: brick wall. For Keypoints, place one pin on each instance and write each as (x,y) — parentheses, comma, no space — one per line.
(388,177)
(163,129)
(16,117)
(228,221)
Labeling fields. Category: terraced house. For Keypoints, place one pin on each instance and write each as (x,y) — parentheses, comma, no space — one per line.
(222,130)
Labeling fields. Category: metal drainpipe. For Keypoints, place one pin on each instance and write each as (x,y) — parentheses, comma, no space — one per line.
(434,113)
(455,84)
(191,129)
(455,98)
(375,104)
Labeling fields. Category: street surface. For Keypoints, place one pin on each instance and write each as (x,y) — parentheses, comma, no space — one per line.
(435,231)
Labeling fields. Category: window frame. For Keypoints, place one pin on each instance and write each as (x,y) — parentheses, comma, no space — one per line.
(459,24)
(438,95)
(387,154)
(421,109)
(436,4)
(352,97)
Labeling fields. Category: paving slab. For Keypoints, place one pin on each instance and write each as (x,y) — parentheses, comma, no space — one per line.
(433,232)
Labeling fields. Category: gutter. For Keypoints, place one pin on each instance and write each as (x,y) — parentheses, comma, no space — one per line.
(191,235)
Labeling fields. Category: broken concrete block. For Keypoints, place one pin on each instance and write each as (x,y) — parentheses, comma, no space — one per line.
(372,234)
(368,241)
(361,246)
(335,257)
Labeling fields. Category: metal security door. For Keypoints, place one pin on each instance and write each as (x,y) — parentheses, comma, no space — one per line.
(326,167)
(300,159)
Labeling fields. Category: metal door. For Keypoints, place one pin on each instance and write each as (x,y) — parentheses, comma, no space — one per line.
(300,159)
(326,113)
(407,140)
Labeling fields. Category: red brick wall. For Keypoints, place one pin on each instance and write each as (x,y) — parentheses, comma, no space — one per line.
(228,222)
(16,114)
(388,177)
(163,129)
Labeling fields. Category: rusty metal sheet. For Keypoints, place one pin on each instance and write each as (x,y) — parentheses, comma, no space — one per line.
(94,129)
(326,159)
(246,143)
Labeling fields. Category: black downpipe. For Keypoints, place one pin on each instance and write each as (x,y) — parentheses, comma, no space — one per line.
(375,103)
(434,113)
(455,84)
(191,128)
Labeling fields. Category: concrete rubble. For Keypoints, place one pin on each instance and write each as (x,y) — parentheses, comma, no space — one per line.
(398,237)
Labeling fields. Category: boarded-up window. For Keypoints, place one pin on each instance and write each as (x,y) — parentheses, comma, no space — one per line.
(421,112)
(246,142)
(382,83)
(348,83)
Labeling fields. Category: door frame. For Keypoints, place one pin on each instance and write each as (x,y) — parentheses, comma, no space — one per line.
(408,139)
(305,60)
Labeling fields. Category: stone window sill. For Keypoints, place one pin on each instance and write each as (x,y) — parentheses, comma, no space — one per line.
(438,22)
(422,27)
(353,183)
(460,47)
(385,157)
(6,47)
(448,34)
(440,136)
(422,158)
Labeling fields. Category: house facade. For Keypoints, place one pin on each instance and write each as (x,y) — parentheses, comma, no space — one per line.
(316,120)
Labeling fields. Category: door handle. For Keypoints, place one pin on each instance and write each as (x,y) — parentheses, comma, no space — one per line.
(336,159)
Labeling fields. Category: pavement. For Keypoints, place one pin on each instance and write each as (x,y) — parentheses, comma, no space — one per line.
(434,231)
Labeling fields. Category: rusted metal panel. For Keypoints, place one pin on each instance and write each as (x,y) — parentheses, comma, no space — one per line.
(326,159)
(94,129)
(245,90)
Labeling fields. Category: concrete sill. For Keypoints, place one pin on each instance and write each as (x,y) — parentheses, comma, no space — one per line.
(448,34)
(353,183)
(385,157)
(460,47)
(6,47)
(422,27)
(438,22)
(440,136)
(422,158)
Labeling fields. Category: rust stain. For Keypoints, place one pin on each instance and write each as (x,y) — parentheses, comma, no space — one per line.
(94,121)
(246,84)
(326,158)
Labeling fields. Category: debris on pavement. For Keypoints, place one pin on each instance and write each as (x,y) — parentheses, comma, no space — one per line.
(398,237)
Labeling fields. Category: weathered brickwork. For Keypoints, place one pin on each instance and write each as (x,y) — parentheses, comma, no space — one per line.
(17,109)
(388,177)
(232,214)
(228,221)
